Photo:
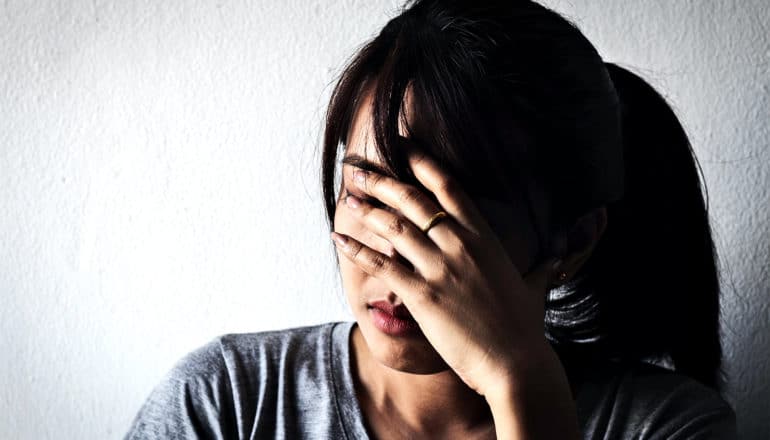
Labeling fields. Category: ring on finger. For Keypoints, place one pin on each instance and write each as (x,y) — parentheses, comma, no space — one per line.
(433,221)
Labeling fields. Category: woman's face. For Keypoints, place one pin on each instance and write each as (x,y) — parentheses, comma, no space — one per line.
(411,353)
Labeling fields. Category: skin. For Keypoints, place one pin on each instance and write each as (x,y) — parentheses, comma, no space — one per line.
(481,367)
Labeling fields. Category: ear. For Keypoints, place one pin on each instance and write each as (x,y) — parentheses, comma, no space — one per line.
(581,241)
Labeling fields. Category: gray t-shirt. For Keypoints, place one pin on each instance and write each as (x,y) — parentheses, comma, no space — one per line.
(297,384)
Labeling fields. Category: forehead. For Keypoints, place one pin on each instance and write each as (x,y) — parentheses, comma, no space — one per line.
(360,140)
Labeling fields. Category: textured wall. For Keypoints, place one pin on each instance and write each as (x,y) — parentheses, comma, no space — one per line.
(159,187)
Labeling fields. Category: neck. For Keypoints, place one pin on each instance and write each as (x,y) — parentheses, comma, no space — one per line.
(423,403)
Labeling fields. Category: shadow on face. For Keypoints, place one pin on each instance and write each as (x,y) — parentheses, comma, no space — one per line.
(412,353)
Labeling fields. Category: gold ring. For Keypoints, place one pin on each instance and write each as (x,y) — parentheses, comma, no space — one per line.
(433,220)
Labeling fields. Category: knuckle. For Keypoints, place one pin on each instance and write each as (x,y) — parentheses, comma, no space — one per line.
(463,249)
(445,273)
(419,157)
(379,263)
(410,194)
(452,274)
(397,226)
(448,186)
(459,247)
(465,253)
(355,251)
(427,294)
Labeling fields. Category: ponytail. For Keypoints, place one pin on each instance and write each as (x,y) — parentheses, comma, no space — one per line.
(654,271)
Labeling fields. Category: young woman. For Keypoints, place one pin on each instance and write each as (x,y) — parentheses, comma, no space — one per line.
(523,242)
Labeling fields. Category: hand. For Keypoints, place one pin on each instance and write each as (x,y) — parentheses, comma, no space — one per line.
(470,301)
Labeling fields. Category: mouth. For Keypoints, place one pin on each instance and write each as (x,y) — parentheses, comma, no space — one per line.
(393,320)
(397,310)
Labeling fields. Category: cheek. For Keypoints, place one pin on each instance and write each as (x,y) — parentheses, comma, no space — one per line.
(353,278)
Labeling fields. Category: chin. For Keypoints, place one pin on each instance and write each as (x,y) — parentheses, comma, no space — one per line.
(412,354)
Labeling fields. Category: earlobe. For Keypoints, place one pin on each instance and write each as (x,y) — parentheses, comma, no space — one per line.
(557,275)
(581,241)
(569,252)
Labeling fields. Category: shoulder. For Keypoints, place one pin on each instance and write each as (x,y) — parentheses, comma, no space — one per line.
(648,401)
(231,353)
(209,391)
(277,343)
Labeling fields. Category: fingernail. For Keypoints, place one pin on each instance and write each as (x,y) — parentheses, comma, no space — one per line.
(352,201)
(340,240)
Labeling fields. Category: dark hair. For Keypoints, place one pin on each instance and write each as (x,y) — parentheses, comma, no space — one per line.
(513,100)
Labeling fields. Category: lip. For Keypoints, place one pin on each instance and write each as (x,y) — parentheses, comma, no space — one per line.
(397,310)
(393,320)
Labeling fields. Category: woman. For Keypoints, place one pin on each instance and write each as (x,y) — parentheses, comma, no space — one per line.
(524,247)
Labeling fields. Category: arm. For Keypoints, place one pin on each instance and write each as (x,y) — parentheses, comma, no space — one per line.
(536,403)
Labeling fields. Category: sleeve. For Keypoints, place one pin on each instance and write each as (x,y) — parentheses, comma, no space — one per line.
(194,400)
(690,411)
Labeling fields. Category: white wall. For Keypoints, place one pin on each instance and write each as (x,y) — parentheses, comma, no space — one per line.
(159,187)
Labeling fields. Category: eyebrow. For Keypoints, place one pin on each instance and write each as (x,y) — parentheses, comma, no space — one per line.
(365,164)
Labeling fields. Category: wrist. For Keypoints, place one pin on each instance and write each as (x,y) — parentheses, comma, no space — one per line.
(534,400)
(521,373)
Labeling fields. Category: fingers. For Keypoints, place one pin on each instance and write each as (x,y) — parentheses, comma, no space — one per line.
(448,192)
(405,237)
(405,283)
(410,201)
